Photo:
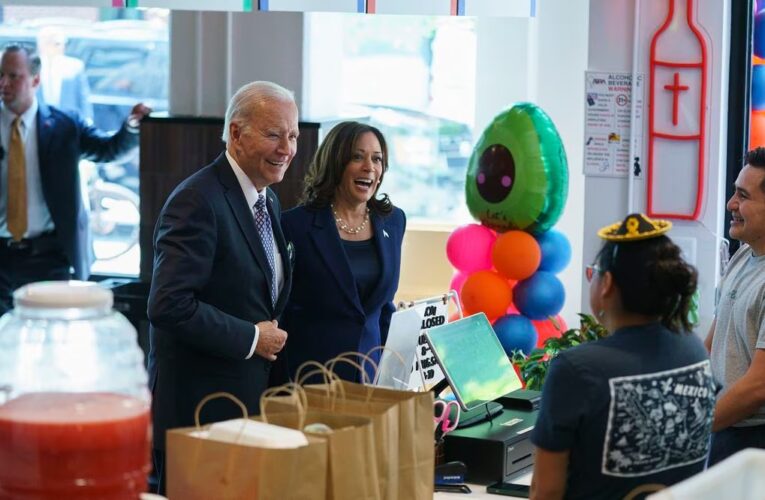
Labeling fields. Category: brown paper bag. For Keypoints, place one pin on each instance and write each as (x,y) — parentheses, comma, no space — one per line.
(351,471)
(202,469)
(416,460)
(384,416)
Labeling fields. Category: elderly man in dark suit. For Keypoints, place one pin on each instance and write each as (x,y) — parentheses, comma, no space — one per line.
(44,231)
(222,270)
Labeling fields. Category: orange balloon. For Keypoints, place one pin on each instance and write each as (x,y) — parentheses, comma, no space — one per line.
(486,292)
(757,129)
(757,60)
(516,255)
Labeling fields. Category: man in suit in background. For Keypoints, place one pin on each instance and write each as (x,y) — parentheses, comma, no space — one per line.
(221,271)
(44,229)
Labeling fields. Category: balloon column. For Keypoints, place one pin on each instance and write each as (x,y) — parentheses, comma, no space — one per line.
(757,122)
(516,186)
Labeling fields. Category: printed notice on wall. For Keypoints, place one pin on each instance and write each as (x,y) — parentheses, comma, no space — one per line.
(608,115)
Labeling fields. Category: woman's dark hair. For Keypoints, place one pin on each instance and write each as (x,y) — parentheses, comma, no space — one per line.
(329,162)
(653,279)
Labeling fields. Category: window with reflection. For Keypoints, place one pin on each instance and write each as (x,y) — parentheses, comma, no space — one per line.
(117,57)
(414,78)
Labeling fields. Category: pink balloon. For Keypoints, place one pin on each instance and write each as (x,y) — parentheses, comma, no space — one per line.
(469,248)
(458,279)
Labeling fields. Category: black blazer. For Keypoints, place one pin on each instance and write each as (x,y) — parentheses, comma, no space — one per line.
(325,315)
(208,290)
(62,140)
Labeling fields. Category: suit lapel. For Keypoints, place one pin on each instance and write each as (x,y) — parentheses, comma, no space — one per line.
(330,249)
(244,216)
(45,129)
(281,244)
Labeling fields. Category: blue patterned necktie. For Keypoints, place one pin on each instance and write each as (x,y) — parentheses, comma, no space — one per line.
(263,223)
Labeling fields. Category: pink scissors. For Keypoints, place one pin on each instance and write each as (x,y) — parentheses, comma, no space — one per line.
(443,418)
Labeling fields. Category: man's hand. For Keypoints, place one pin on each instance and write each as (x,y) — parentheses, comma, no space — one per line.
(271,339)
(137,114)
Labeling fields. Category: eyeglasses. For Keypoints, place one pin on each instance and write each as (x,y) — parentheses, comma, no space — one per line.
(590,271)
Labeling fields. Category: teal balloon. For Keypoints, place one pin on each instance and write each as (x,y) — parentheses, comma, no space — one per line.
(517,177)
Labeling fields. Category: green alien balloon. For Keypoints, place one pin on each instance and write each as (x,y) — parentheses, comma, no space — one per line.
(518,174)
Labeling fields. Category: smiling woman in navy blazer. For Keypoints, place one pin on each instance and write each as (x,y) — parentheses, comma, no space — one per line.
(347,251)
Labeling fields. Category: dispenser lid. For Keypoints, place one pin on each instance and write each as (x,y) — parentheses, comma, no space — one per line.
(63,294)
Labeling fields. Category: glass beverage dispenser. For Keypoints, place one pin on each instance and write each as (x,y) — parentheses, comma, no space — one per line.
(74,405)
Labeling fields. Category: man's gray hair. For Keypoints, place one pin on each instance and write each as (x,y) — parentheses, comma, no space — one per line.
(242,104)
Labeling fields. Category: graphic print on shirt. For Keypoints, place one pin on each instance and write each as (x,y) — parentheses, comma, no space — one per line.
(658,421)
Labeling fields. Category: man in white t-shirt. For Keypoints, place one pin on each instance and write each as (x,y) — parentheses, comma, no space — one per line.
(736,341)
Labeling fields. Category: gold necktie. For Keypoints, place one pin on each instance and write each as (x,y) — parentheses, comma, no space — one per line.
(17,184)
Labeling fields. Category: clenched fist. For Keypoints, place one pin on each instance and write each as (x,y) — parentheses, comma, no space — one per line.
(271,339)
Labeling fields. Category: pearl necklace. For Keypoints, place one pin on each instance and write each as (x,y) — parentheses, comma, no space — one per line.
(344,227)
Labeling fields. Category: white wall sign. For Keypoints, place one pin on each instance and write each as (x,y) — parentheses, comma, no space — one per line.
(608,108)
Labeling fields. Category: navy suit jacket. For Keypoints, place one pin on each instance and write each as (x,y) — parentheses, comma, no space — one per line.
(62,140)
(325,316)
(211,285)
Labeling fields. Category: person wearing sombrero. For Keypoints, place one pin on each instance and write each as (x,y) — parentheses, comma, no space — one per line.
(635,408)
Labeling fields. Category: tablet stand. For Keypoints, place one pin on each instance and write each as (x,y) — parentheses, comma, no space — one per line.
(482,413)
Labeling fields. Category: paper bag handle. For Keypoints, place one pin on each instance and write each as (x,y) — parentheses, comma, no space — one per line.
(233,454)
(345,357)
(329,378)
(217,395)
(291,389)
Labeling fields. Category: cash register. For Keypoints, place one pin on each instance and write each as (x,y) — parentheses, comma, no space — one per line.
(497,415)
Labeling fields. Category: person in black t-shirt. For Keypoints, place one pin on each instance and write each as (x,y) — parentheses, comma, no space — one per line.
(636,407)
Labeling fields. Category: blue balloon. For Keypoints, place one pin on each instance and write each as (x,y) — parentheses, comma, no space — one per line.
(516,332)
(758,87)
(556,251)
(759,34)
(539,296)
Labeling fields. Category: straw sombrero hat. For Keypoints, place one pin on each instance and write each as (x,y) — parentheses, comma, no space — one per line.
(635,227)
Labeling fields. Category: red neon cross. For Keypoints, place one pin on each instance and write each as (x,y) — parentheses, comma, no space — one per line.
(675,88)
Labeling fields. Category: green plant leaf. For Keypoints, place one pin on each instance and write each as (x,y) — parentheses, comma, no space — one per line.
(534,366)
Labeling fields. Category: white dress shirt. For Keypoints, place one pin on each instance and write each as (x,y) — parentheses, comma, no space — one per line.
(251,194)
(39,219)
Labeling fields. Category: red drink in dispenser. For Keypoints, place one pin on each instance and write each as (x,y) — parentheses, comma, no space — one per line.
(74,445)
